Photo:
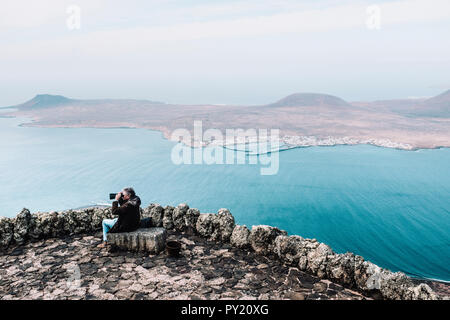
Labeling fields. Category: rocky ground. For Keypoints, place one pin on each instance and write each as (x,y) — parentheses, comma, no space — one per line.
(74,268)
(219,260)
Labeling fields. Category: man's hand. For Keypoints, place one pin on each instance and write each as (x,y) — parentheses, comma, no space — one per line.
(118,196)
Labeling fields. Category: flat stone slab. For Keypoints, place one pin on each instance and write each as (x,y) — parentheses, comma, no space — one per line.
(151,240)
(204,270)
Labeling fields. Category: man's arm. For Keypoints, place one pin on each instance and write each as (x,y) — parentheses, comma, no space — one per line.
(115,205)
(116,210)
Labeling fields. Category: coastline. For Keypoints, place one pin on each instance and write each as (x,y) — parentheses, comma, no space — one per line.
(287,141)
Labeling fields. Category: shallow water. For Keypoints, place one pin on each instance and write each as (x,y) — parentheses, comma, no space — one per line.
(390,206)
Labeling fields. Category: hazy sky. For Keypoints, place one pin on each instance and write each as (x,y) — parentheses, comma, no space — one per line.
(224,51)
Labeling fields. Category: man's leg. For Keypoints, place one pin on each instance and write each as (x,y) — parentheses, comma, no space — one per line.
(107,224)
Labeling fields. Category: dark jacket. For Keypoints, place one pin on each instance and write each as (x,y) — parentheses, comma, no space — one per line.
(129,215)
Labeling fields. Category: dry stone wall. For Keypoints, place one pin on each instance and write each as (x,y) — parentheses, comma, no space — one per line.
(308,255)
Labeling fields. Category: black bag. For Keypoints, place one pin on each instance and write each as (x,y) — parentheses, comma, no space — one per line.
(145,223)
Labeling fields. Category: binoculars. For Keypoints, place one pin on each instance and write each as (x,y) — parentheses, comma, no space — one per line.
(112,196)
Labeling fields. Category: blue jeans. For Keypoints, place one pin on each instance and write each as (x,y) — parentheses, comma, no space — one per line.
(107,224)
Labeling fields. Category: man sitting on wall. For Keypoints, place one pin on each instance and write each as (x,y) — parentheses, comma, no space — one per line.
(128,212)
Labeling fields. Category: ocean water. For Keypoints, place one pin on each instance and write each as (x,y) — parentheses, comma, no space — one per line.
(390,206)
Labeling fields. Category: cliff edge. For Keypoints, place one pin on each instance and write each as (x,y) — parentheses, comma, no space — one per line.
(219,260)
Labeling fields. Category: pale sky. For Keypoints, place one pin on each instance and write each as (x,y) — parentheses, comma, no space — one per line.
(224,51)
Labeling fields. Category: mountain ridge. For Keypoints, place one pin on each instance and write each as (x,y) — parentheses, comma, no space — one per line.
(304,99)
(44,100)
(299,99)
(51,100)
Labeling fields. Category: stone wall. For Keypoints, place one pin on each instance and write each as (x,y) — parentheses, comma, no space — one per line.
(32,227)
(309,255)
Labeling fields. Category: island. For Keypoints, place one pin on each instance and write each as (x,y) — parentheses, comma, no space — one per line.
(303,119)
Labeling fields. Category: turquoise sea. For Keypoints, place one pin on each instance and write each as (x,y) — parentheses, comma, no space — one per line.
(390,206)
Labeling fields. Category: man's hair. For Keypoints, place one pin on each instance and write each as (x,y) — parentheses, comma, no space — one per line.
(129,191)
